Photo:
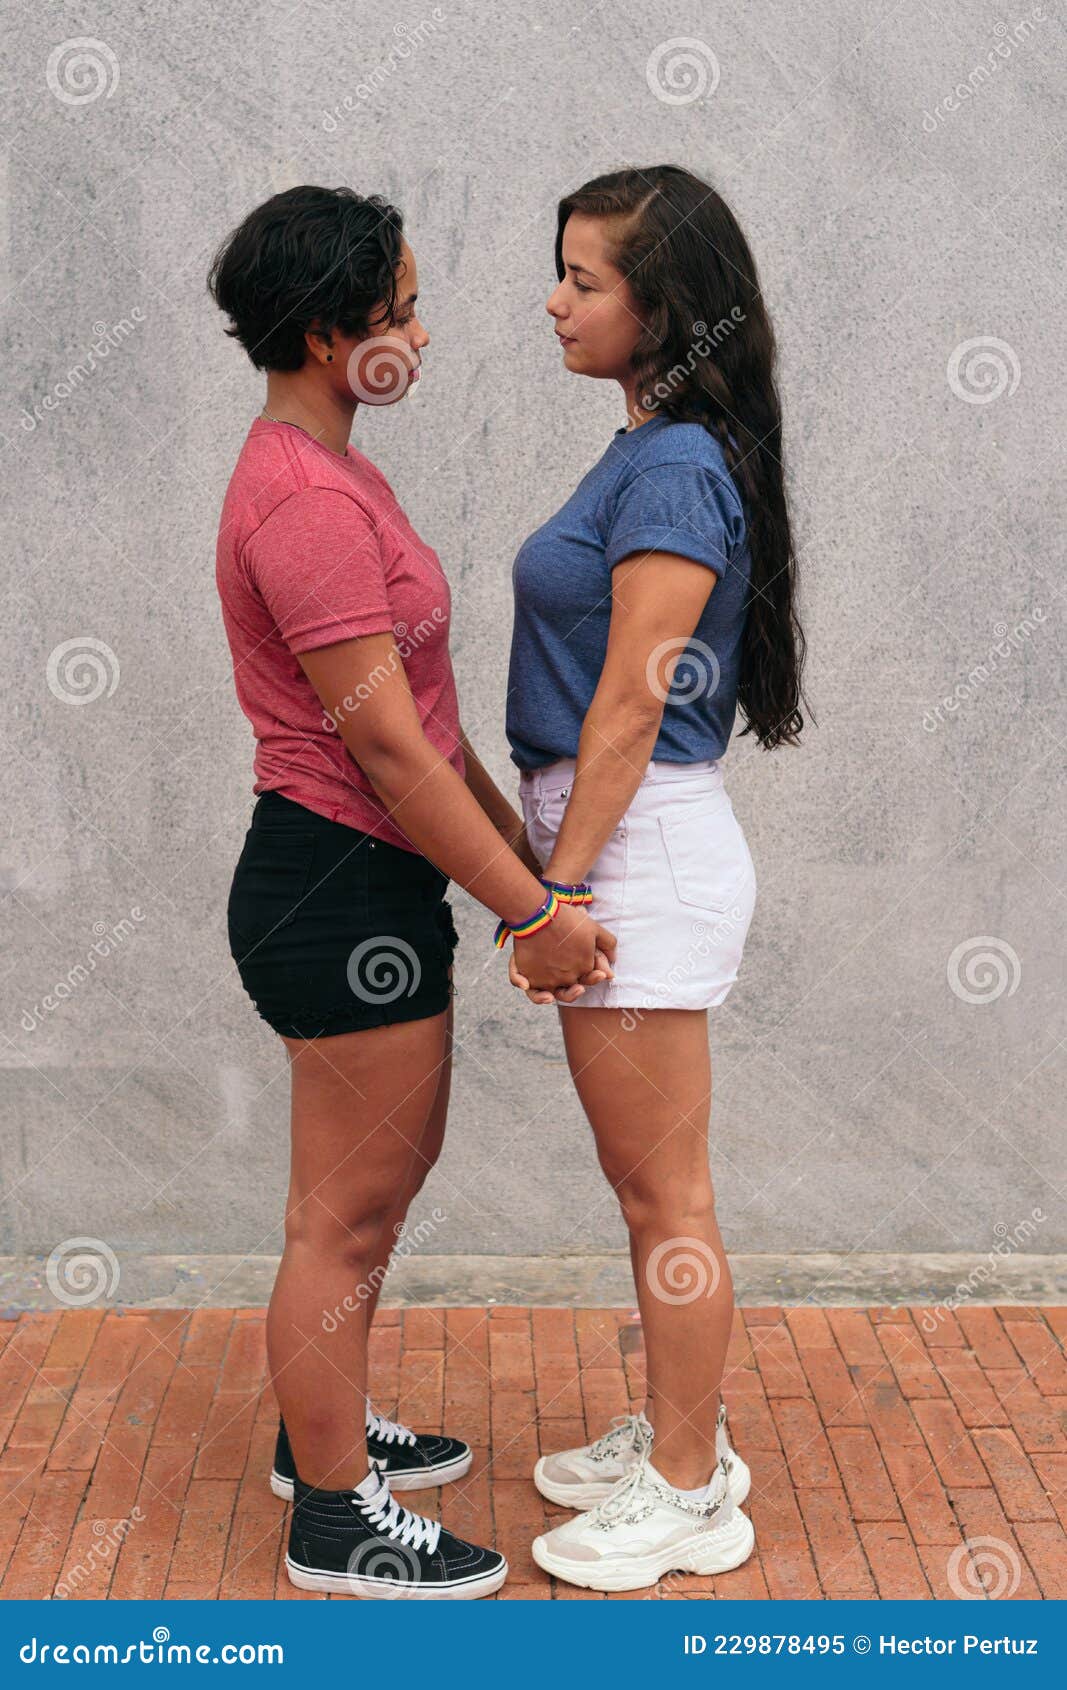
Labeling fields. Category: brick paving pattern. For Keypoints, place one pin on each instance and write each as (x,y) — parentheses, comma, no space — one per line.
(137,1443)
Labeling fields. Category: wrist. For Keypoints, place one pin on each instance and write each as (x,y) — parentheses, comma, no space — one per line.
(546,912)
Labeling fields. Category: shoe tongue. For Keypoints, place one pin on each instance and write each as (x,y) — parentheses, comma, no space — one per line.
(369,1487)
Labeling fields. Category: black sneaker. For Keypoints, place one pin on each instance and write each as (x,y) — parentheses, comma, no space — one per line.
(410,1460)
(362,1542)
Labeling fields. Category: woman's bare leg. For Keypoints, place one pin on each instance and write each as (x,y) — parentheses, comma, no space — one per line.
(646,1090)
(426,1154)
(360,1107)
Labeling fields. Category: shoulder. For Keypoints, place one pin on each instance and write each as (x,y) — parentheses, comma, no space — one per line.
(680,464)
(284,479)
(679,443)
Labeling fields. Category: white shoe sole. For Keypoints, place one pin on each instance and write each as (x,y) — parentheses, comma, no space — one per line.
(584,1496)
(707,1552)
(417,1481)
(305,1578)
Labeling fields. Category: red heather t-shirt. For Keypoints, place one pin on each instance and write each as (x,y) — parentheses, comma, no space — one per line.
(314,548)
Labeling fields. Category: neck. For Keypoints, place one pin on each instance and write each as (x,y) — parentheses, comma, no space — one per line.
(635,412)
(327,415)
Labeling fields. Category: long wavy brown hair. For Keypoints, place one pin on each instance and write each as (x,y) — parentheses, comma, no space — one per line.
(692,274)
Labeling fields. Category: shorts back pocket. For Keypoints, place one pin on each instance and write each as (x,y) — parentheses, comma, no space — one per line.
(272,878)
(707,852)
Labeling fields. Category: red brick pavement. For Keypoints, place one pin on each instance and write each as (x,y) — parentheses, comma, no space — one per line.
(892,1456)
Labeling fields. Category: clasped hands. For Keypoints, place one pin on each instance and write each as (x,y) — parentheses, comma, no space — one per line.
(555,964)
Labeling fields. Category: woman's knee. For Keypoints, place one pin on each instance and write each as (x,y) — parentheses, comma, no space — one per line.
(350,1241)
(666,1210)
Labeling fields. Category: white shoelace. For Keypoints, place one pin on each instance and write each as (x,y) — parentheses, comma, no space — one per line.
(388,1431)
(621,1494)
(415,1530)
(623,1427)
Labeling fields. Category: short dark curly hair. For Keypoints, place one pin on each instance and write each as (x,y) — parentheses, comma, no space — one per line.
(309,255)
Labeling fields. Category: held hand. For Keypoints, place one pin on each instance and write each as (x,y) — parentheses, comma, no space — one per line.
(558,954)
(565,994)
(573,951)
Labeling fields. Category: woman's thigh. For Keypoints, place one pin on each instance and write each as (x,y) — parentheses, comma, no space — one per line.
(361,1104)
(644,1080)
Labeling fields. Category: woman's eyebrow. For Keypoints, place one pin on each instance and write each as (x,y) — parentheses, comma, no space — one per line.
(585,270)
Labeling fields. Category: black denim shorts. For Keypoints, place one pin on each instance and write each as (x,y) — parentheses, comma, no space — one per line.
(333,930)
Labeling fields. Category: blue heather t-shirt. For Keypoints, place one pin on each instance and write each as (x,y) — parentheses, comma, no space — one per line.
(663,486)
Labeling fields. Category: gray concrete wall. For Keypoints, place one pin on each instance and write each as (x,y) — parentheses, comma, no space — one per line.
(889,1071)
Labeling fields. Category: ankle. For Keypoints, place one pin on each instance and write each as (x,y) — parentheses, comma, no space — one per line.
(686,1469)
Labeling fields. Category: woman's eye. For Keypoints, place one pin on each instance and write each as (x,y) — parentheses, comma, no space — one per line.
(582,288)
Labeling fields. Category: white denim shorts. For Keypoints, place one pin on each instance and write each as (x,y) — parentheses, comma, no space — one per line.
(674,883)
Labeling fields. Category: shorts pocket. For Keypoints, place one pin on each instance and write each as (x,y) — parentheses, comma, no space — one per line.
(270,882)
(707,852)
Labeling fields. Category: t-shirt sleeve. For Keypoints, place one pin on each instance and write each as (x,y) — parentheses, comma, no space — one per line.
(317,564)
(676,507)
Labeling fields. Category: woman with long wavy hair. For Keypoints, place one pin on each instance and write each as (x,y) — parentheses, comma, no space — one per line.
(655,604)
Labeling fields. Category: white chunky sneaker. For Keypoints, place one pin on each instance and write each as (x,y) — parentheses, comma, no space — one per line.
(580,1478)
(644,1529)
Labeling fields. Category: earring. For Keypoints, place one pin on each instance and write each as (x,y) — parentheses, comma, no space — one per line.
(329,357)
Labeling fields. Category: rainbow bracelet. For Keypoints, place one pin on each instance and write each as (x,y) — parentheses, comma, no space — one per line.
(523,929)
(567,892)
